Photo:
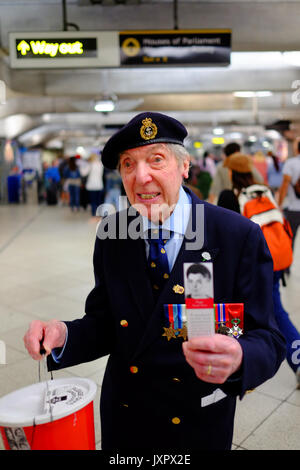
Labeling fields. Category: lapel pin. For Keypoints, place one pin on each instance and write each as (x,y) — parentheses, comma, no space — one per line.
(206,256)
(178,289)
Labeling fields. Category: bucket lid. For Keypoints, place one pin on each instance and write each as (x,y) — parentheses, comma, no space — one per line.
(46,401)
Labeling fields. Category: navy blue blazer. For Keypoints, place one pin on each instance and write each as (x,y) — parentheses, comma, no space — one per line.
(148,382)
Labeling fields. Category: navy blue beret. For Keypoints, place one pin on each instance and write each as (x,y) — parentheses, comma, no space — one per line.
(144,129)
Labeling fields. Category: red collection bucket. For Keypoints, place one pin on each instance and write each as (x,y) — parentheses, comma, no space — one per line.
(53,415)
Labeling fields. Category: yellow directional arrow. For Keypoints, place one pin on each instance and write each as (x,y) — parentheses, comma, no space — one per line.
(23,47)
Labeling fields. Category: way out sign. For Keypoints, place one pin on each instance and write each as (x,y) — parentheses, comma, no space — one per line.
(69,49)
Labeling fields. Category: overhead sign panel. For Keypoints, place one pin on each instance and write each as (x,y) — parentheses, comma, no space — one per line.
(64,49)
(60,48)
(178,47)
(120,49)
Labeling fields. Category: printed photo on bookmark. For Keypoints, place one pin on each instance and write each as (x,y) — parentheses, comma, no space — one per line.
(199,299)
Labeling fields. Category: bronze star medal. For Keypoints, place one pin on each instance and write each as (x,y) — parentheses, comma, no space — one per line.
(169,333)
(182,333)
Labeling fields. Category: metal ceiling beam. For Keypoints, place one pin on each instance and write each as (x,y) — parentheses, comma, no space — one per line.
(190,80)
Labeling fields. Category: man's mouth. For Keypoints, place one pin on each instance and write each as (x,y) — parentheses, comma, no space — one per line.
(148,195)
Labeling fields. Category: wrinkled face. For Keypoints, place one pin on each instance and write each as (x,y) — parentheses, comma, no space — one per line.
(198,285)
(152,178)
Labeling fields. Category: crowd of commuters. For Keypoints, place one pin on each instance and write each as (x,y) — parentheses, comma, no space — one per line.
(81,183)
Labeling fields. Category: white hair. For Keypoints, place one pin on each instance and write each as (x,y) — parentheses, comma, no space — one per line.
(181,154)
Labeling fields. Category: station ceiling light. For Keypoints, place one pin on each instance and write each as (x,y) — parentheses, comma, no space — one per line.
(292,58)
(252,94)
(218,131)
(104,106)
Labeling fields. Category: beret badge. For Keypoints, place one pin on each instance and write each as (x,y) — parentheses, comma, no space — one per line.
(148,130)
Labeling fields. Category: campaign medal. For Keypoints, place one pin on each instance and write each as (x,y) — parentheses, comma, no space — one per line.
(235,331)
(183,332)
(148,130)
(174,315)
(221,319)
(169,333)
(223,329)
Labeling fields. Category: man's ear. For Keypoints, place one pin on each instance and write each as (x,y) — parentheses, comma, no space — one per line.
(186,167)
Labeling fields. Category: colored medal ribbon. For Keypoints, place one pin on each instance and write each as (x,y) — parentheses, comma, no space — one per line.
(221,313)
(174,314)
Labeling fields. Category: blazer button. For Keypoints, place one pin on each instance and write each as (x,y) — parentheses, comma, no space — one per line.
(133,369)
(175,420)
(175,379)
(124,323)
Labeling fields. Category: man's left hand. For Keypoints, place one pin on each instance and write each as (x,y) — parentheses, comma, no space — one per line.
(213,358)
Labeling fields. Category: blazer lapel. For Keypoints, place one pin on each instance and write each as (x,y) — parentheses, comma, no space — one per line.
(134,256)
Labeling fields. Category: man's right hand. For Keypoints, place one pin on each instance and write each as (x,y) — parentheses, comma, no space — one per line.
(51,333)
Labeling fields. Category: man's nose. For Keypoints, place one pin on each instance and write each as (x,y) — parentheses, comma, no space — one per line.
(143,174)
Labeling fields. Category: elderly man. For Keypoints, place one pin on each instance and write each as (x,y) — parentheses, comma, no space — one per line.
(160,392)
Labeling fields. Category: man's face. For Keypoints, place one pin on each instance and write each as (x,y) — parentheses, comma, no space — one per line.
(198,285)
(152,179)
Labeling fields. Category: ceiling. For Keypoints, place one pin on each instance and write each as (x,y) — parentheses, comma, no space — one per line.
(57,104)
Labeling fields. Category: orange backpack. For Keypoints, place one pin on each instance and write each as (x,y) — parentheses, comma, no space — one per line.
(257,203)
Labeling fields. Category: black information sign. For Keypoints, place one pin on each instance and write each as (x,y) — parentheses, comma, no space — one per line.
(158,48)
(55,48)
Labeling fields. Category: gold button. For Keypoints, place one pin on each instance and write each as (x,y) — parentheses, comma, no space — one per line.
(162,250)
(175,379)
(166,276)
(125,405)
(124,323)
(155,287)
(153,265)
(175,420)
(133,369)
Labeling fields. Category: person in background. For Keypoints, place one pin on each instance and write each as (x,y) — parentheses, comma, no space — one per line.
(239,168)
(208,164)
(191,181)
(73,181)
(274,173)
(221,179)
(52,183)
(112,185)
(261,165)
(84,197)
(291,174)
(94,182)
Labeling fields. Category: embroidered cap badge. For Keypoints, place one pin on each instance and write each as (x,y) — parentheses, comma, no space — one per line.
(148,130)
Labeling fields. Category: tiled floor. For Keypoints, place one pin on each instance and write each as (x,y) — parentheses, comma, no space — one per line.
(46,272)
